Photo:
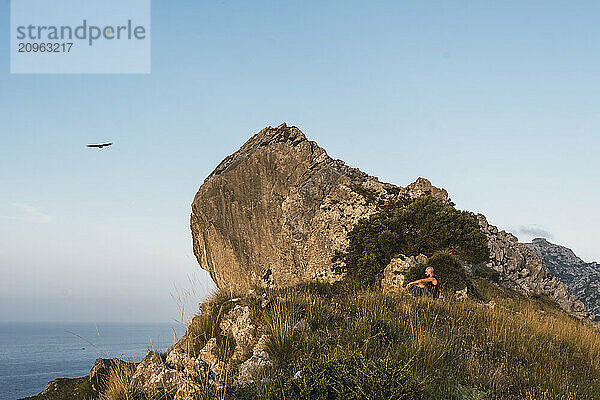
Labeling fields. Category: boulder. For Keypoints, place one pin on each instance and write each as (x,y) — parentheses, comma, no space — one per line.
(238,324)
(152,375)
(178,376)
(394,274)
(275,212)
(209,352)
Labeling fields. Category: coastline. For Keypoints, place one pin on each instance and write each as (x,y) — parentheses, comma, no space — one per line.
(34,353)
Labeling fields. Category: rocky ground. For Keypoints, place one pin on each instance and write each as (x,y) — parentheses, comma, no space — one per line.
(313,339)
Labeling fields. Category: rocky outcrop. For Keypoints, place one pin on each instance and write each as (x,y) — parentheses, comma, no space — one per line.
(522,269)
(84,388)
(275,212)
(581,278)
(178,376)
(422,187)
(238,324)
(183,376)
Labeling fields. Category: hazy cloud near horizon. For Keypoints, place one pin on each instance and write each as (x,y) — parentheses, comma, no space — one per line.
(533,231)
(27,213)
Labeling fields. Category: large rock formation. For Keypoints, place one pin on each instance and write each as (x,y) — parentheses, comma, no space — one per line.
(185,376)
(582,279)
(523,270)
(275,212)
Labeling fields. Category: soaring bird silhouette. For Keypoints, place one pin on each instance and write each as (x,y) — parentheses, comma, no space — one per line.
(99,146)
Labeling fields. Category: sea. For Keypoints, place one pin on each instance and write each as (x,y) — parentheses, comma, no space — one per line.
(32,354)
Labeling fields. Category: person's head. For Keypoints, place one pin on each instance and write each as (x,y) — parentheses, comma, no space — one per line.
(429,271)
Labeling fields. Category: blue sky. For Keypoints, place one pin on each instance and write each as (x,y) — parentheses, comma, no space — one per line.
(495,101)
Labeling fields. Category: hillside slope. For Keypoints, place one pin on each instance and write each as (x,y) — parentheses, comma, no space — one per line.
(321,341)
(583,279)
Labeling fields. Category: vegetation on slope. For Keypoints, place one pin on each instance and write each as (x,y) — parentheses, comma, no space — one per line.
(521,348)
(424,225)
(66,388)
(119,384)
(363,343)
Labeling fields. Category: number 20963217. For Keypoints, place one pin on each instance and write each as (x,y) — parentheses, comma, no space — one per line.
(26,47)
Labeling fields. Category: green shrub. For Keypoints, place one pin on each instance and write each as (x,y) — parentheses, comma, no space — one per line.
(485,272)
(411,226)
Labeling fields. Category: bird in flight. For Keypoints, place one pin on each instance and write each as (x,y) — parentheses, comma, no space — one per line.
(99,146)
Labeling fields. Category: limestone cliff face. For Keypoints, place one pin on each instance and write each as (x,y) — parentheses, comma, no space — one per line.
(523,270)
(582,279)
(275,212)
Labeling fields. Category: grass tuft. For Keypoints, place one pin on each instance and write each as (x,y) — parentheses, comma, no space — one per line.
(279,323)
(120,385)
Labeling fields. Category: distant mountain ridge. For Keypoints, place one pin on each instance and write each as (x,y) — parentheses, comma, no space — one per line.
(583,279)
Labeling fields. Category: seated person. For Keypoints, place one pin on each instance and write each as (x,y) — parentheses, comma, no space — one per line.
(427,286)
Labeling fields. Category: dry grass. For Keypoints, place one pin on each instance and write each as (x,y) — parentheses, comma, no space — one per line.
(523,348)
(119,385)
(207,325)
(279,324)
